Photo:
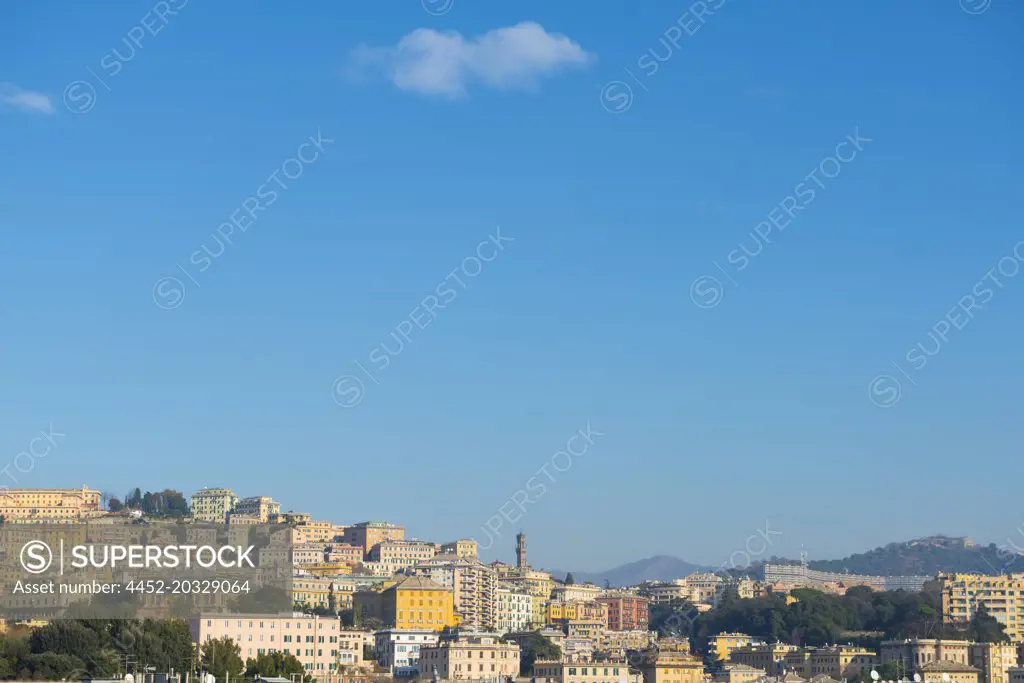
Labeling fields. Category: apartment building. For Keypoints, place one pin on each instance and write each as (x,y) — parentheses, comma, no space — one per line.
(944,671)
(398,650)
(316,531)
(770,657)
(464,547)
(394,556)
(351,646)
(566,612)
(627,612)
(723,644)
(738,673)
(705,587)
(664,592)
(262,508)
(994,660)
(341,552)
(242,520)
(368,534)
(1001,596)
(474,586)
(1016,675)
(473,657)
(913,654)
(513,611)
(319,591)
(309,553)
(535,582)
(48,505)
(314,641)
(837,662)
(414,603)
(617,643)
(212,505)
(576,592)
(577,649)
(672,667)
(797,575)
(547,671)
(294,518)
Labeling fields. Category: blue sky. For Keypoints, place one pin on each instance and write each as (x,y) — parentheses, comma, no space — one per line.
(758,403)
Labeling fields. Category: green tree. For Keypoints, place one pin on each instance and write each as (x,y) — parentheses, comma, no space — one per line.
(984,628)
(222,658)
(72,637)
(163,643)
(673,619)
(276,664)
(51,666)
(535,647)
(570,579)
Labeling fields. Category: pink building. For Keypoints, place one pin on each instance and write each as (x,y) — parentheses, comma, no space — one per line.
(315,641)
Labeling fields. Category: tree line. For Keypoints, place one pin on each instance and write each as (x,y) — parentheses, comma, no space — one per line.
(166,503)
(74,649)
(860,617)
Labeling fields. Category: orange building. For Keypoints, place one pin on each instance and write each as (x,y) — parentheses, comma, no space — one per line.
(627,612)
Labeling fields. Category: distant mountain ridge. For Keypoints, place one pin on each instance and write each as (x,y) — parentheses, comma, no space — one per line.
(927,557)
(657,568)
(918,557)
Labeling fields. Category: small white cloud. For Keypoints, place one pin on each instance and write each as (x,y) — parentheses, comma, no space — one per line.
(13,96)
(445,63)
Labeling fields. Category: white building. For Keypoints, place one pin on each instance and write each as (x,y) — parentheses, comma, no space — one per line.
(577,592)
(514,611)
(399,650)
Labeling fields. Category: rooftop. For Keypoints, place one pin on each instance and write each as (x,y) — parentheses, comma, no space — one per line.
(417,583)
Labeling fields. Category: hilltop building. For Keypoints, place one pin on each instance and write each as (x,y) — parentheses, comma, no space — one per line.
(48,505)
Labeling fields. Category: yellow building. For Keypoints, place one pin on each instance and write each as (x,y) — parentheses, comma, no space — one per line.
(328,569)
(262,508)
(213,505)
(672,667)
(724,643)
(577,611)
(413,603)
(464,547)
(994,660)
(317,591)
(770,657)
(319,531)
(839,662)
(944,671)
(540,608)
(1001,596)
(48,505)
(738,673)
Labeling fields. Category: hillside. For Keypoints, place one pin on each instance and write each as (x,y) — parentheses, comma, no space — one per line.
(657,568)
(926,557)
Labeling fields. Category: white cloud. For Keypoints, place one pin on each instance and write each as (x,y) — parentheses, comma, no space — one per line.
(435,63)
(13,96)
